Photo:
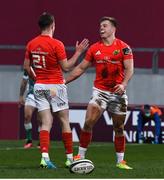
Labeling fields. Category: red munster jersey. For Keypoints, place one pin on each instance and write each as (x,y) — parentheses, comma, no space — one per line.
(44,54)
(108,61)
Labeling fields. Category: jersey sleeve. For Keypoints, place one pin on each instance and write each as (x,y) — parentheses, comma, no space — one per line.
(89,55)
(60,51)
(127,52)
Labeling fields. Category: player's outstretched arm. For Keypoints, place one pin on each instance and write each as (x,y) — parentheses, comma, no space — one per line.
(77,71)
(80,48)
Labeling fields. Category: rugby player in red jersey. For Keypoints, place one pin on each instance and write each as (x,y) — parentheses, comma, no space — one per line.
(113,61)
(47,57)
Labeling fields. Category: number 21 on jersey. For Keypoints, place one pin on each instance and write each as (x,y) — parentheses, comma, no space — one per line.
(39,61)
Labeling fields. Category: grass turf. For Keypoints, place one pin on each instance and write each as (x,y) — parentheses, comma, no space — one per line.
(146,159)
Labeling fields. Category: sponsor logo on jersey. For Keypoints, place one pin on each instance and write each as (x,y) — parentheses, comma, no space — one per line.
(115,62)
(127,51)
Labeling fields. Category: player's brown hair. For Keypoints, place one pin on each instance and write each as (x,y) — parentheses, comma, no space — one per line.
(110,19)
(45,20)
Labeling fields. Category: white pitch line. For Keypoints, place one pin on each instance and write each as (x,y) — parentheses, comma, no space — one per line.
(59,147)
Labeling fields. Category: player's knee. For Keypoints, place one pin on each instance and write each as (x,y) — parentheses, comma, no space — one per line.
(96,109)
(65,125)
(27,118)
(46,125)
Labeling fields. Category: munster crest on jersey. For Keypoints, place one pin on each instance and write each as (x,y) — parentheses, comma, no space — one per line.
(115,52)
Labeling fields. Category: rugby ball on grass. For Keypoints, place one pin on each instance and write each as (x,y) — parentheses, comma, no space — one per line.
(82,166)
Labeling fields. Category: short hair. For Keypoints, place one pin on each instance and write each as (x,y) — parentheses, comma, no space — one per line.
(146,107)
(110,19)
(45,20)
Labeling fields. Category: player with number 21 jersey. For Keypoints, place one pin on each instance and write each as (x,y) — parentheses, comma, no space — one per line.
(45,59)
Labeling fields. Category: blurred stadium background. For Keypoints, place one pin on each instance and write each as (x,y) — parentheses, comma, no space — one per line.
(140,25)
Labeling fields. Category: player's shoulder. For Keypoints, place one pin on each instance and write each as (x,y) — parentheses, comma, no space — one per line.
(126,49)
(32,41)
(121,43)
(95,45)
(57,43)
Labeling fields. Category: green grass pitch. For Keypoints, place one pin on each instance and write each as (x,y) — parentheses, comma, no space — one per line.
(146,159)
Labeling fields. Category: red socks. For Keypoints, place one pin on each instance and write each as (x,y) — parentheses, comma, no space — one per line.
(44,141)
(85,138)
(67,140)
(119,143)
